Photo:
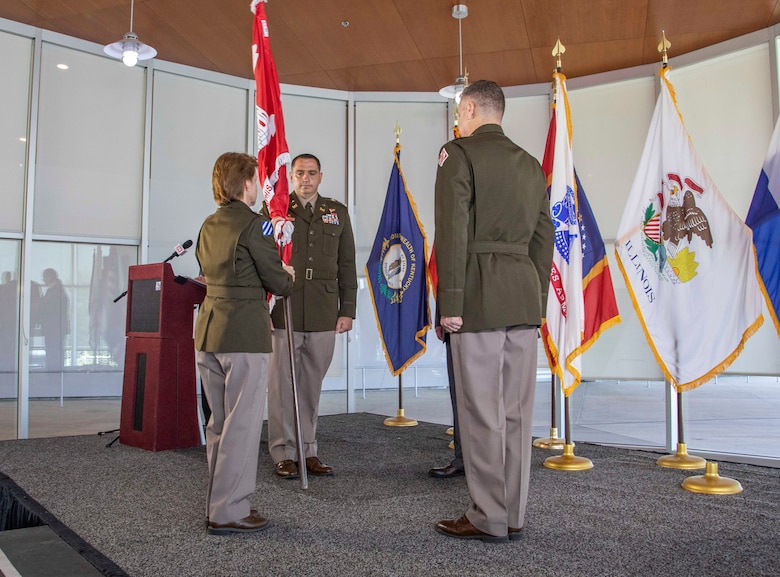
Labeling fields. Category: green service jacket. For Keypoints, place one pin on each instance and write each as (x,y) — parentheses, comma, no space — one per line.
(494,235)
(238,257)
(323,256)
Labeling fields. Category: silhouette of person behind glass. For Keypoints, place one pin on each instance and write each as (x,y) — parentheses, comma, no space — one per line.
(9,297)
(54,319)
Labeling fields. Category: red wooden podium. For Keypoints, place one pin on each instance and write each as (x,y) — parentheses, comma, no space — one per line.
(159,400)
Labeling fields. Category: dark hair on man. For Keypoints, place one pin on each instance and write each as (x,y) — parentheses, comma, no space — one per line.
(486,94)
(306,155)
(231,171)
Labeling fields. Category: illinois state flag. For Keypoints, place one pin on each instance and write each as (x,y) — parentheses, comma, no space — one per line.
(764,218)
(686,257)
(273,155)
(397,276)
(582,300)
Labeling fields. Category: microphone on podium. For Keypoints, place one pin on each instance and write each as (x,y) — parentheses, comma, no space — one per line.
(179,250)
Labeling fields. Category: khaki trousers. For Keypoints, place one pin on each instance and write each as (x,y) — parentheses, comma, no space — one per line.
(235,385)
(495,378)
(313,354)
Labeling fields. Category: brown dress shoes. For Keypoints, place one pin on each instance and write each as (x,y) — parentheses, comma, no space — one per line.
(250,524)
(316,467)
(287,469)
(515,533)
(463,529)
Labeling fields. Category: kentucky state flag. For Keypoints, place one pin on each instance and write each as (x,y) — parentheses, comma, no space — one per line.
(582,302)
(273,155)
(686,257)
(397,276)
(764,218)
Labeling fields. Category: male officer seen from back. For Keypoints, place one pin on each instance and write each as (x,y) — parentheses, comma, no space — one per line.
(494,245)
(323,305)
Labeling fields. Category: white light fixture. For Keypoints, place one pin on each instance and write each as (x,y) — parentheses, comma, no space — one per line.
(459,12)
(130,49)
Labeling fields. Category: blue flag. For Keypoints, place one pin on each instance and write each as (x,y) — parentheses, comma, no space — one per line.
(764,218)
(397,275)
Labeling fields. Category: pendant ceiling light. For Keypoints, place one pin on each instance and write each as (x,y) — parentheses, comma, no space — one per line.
(459,12)
(130,50)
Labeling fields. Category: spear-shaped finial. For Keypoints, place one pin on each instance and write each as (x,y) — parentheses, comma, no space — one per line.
(558,49)
(663,47)
(397,133)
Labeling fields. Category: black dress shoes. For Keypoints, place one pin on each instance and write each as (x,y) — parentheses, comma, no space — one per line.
(515,533)
(463,529)
(250,524)
(287,469)
(316,467)
(446,472)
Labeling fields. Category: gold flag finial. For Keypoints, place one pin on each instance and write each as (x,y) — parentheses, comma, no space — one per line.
(663,47)
(397,132)
(558,49)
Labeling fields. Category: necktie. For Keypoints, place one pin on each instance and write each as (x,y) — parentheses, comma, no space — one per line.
(309,209)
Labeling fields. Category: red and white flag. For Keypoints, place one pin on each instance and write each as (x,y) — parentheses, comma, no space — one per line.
(273,155)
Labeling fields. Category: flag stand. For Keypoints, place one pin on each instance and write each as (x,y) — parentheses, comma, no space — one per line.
(399,420)
(711,483)
(681,459)
(451,433)
(551,442)
(568,461)
(288,323)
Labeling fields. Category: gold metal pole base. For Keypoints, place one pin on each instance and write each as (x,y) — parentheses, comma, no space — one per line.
(681,459)
(711,483)
(451,445)
(450,431)
(567,461)
(400,420)
(551,442)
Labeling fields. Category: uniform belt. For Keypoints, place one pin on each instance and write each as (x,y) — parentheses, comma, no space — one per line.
(314,274)
(498,248)
(236,292)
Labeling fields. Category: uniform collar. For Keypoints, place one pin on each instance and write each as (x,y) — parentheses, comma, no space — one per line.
(485,128)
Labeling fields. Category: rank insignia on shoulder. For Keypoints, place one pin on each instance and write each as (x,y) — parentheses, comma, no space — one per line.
(268,228)
(443,156)
(330,218)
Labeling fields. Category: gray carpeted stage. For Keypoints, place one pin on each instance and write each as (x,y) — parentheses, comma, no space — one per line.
(626,516)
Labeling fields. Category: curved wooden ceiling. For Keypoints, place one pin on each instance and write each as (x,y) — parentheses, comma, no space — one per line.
(407,45)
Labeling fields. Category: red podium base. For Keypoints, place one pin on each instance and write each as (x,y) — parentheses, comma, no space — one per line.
(159,401)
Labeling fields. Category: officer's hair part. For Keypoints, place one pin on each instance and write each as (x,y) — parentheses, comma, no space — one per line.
(487,95)
(231,171)
(306,155)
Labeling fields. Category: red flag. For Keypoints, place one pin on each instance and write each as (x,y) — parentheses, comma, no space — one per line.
(273,155)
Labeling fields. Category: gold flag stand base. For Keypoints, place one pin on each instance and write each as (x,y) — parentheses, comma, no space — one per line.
(400,420)
(551,442)
(568,461)
(450,431)
(451,445)
(681,459)
(711,483)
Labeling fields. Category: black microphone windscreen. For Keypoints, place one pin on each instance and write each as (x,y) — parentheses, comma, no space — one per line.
(186,244)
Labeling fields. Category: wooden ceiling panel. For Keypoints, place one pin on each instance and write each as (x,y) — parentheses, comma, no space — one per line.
(54,9)
(413,74)
(590,58)
(406,45)
(376,33)
(677,17)
(584,21)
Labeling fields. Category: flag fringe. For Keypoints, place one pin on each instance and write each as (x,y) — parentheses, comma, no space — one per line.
(767,299)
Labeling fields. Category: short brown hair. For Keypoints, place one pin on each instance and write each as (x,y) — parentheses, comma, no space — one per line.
(486,94)
(231,171)
(306,156)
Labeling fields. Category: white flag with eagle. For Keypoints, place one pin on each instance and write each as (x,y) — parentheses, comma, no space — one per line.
(686,257)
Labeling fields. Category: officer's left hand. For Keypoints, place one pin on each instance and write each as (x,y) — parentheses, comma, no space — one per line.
(343,325)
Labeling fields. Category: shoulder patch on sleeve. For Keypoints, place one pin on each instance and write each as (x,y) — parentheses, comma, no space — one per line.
(443,156)
(268,228)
